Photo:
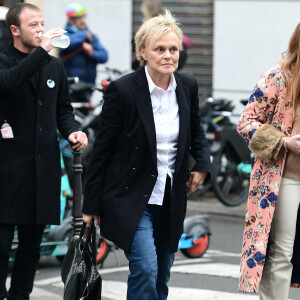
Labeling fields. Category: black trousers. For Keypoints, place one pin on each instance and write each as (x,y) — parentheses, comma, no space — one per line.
(25,262)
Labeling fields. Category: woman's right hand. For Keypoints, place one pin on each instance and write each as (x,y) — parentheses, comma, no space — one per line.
(88,218)
(293,143)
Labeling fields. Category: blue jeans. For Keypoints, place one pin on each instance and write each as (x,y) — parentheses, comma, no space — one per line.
(149,258)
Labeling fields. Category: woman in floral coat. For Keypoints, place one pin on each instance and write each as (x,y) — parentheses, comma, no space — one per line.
(270,124)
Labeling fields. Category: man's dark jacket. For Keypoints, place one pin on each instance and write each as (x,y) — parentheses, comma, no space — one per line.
(34,100)
(123,167)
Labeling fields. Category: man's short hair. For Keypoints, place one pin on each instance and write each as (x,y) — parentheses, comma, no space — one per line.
(13,14)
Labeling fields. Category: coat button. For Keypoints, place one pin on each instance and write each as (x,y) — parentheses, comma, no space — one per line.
(137,148)
(133,170)
(38,155)
(40,102)
(40,128)
(152,175)
(126,189)
(146,195)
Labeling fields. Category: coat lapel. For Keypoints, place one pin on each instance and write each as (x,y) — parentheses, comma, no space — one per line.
(182,94)
(144,107)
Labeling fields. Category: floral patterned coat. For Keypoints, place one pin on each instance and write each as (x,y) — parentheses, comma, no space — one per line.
(266,118)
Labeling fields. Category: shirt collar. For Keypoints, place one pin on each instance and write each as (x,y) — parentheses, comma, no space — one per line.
(152,86)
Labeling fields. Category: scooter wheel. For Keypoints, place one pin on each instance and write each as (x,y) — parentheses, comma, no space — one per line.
(102,250)
(197,250)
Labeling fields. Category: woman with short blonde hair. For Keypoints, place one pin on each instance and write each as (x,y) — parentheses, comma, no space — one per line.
(136,181)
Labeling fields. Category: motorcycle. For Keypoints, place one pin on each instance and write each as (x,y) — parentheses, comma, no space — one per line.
(230,155)
(232,158)
(210,111)
(231,168)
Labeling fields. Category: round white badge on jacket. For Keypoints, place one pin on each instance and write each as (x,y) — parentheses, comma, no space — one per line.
(50,83)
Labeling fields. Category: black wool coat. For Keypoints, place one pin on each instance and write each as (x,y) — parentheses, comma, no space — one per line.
(123,166)
(34,99)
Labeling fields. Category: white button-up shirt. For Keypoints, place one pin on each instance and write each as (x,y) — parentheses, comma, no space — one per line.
(166,119)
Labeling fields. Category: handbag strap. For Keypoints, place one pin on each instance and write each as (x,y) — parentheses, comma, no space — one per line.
(90,240)
(93,244)
(82,230)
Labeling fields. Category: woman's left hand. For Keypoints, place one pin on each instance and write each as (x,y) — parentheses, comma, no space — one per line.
(196,178)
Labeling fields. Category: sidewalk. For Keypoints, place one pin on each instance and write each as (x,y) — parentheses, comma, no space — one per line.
(209,204)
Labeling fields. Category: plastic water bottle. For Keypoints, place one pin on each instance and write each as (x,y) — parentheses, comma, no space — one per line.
(62,41)
(6,131)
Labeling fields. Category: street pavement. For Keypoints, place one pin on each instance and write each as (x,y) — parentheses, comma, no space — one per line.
(209,204)
(211,277)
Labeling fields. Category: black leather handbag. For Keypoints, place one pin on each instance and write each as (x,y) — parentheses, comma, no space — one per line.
(79,273)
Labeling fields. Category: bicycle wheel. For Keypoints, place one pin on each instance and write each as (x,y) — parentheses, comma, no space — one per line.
(230,185)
